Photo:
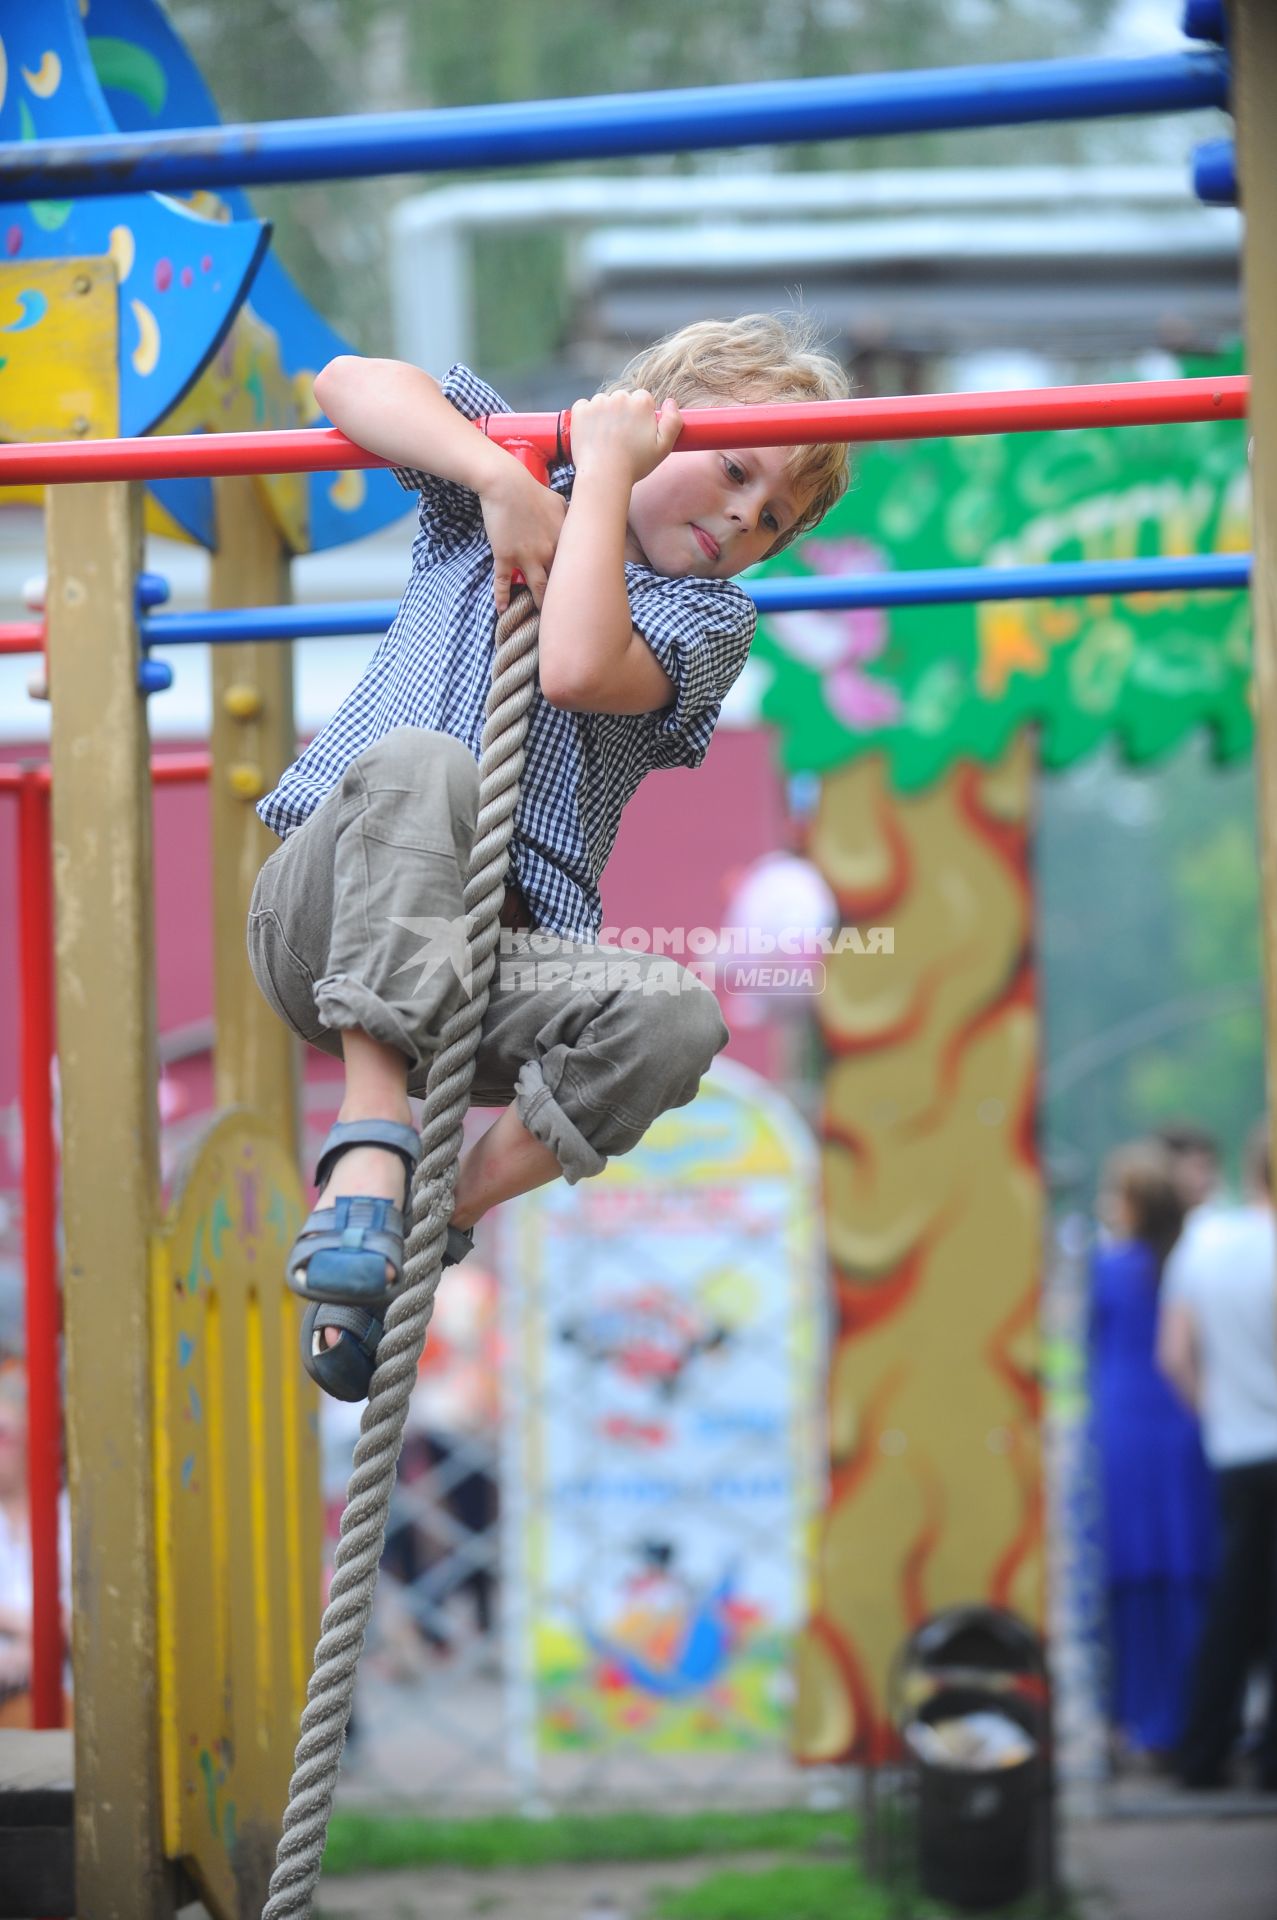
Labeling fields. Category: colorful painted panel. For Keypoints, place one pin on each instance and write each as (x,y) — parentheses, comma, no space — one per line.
(238,1511)
(663,1394)
(182,277)
(933,1202)
(924,687)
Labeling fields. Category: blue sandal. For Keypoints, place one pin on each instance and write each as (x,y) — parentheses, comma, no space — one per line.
(345,1369)
(342,1251)
(338,1262)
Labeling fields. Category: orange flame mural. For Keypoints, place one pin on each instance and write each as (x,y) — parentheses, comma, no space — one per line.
(933,1207)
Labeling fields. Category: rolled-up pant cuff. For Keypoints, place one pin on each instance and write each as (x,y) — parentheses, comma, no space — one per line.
(343,1003)
(546,1121)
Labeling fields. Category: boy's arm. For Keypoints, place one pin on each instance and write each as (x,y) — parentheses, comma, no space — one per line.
(401,413)
(592,658)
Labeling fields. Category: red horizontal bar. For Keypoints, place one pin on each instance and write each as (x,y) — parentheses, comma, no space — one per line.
(911,417)
(21,636)
(175,769)
(167,770)
(934,416)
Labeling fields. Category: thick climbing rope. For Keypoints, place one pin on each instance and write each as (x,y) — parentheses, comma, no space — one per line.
(372,1480)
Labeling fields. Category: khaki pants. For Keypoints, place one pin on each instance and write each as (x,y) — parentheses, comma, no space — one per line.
(357,920)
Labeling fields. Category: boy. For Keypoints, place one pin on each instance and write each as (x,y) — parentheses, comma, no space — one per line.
(354,918)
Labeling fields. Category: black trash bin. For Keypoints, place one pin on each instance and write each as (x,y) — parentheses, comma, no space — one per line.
(978,1784)
(971,1703)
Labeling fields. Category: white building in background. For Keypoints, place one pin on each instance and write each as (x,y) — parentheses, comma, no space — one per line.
(927,263)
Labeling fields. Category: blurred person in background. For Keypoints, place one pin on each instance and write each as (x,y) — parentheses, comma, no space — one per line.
(1157,1498)
(1218,1344)
(441,1539)
(1195,1162)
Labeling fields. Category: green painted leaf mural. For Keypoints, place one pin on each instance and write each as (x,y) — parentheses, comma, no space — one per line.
(931,685)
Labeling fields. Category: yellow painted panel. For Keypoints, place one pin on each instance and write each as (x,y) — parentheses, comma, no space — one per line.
(59,332)
(238,1511)
(58,344)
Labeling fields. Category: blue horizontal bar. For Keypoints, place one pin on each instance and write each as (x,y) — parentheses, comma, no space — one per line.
(532,132)
(954,586)
(328,620)
(946,586)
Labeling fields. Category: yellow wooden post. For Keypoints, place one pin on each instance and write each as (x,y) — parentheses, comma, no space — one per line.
(253,740)
(1254,39)
(110,1179)
(237,1344)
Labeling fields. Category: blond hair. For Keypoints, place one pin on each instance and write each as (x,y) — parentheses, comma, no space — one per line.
(760,357)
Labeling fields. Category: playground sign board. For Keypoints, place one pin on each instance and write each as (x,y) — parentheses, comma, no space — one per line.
(661,1414)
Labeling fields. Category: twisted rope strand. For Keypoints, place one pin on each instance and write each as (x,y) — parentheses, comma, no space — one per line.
(363,1524)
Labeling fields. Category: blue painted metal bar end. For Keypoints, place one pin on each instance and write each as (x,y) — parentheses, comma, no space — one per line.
(1215,173)
(1205,20)
(532,132)
(153,676)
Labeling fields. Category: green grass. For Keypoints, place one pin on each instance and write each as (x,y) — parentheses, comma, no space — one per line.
(819,1890)
(366,1842)
(801,1890)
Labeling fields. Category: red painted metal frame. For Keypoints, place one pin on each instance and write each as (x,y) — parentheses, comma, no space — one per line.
(31,785)
(911,417)
(39,1202)
(21,636)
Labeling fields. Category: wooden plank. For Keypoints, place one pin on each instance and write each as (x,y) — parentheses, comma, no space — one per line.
(101,831)
(1254,40)
(253,739)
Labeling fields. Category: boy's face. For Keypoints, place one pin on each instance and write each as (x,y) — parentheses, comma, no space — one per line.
(710,515)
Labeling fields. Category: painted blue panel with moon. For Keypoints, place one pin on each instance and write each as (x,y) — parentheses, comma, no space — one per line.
(182,277)
(151,82)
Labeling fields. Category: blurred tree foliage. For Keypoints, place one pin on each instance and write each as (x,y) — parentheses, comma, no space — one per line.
(1149,935)
(278,59)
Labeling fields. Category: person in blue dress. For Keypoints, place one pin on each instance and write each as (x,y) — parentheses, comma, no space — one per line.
(1157,1493)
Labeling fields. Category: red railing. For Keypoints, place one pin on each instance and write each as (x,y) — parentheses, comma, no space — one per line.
(21,636)
(31,785)
(914,416)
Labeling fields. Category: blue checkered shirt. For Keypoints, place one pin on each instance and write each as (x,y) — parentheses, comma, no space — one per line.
(433,670)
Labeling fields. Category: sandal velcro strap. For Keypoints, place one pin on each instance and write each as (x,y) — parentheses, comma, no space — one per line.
(345,1134)
(366,1327)
(459,1243)
(342,1252)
